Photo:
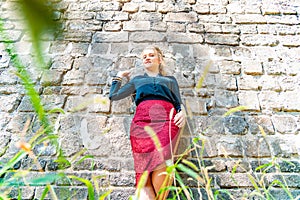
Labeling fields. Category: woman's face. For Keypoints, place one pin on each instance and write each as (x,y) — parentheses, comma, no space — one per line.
(151,60)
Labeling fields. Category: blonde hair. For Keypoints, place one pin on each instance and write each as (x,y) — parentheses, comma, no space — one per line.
(161,57)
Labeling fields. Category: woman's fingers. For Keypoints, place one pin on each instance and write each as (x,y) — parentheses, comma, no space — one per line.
(179,119)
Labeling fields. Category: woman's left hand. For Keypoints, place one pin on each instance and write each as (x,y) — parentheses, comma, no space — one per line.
(179,119)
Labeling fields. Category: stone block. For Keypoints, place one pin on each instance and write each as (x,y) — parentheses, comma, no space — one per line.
(217,9)
(114,26)
(74,77)
(261,120)
(51,77)
(228,39)
(175,27)
(229,67)
(147,7)
(252,67)
(15,192)
(291,101)
(110,37)
(62,192)
(62,63)
(151,36)
(181,17)
(290,41)
(248,83)
(121,106)
(270,83)
(78,36)
(284,19)
(184,38)
(112,15)
(8,78)
(195,28)
(227,99)
(285,124)
(235,125)
(270,100)
(234,180)
(249,19)
(159,26)
(219,18)
(136,26)
(289,180)
(257,147)
(99,103)
(111,5)
(259,40)
(96,78)
(9,102)
(14,36)
(145,16)
(201,8)
(122,179)
(229,146)
(227,81)
(197,107)
(130,7)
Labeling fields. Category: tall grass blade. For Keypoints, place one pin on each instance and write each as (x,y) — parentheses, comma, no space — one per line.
(205,72)
(91,194)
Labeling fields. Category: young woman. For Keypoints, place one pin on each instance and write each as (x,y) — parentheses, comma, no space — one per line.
(158,117)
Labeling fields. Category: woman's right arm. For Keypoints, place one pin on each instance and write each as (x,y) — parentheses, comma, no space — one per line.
(116,91)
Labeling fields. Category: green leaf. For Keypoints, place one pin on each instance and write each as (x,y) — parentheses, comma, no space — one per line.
(188,171)
(88,184)
(45,179)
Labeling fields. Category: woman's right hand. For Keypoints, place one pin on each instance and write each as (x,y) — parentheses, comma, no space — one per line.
(125,73)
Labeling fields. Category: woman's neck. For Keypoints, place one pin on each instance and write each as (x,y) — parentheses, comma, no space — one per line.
(151,73)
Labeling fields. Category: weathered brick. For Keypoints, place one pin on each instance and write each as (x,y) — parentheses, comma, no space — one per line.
(147,6)
(110,37)
(144,16)
(176,27)
(151,36)
(201,8)
(261,120)
(249,19)
(197,106)
(229,67)
(291,101)
(112,15)
(227,99)
(285,123)
(270,100)
(13,36)
(259,40)
(252,67)
(228,39)
(181,17)
(74,77)
(249,99)
(136,26)
(9,102)
(112,26)
(248,83)
(184,38)
(227,81)
(78,36)
(229,146)
(130,7)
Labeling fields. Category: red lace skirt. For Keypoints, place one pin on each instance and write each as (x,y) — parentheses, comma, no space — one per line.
(152,148)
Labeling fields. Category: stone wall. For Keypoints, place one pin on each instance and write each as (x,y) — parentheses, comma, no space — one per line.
(252,50)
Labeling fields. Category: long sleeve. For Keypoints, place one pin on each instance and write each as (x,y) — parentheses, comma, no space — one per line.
(117,92)
(176,93)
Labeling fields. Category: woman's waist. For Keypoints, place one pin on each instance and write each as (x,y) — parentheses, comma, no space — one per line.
(155,109)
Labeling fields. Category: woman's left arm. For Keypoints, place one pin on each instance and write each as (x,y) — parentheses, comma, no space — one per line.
(180,117)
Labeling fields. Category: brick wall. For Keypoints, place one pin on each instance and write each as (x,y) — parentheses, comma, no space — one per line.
(252,48)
